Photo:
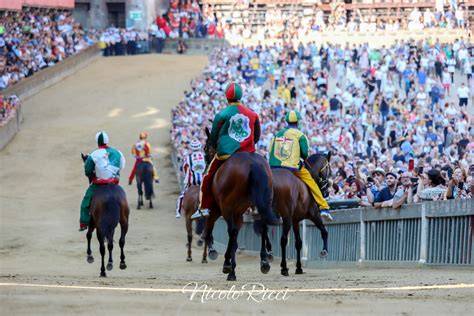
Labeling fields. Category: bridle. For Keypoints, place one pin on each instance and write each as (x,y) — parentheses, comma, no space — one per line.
(321,181)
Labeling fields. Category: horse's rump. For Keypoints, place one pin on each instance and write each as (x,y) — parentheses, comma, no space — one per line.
(108,206)
(191,199)
(144,174)
(243,181)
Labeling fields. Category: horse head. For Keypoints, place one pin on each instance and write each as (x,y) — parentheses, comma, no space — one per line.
(209,150)
(320,169)
(84,159)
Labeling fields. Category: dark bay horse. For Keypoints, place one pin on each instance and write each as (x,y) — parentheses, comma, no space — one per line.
(108,208)
(190,204)
(144,175)
(242,182)
(294,202)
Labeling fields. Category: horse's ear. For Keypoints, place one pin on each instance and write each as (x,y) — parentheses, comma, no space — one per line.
(328,156)
(84,157)
(208,134)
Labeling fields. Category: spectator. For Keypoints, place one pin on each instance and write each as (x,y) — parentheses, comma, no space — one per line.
(404,194)
(386,195)
(430,186)
(463,95)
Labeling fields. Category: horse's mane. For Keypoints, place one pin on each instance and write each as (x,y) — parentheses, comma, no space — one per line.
(315,157)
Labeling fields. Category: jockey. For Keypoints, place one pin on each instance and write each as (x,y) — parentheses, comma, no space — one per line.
(142,152)
(193,167)
(235,129)
(103,167)
(287,148)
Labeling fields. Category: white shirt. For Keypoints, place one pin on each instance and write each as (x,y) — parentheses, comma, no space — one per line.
(463,92)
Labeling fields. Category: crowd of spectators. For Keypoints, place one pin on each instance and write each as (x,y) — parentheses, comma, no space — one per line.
(34,39)
(188,18)
(396,119)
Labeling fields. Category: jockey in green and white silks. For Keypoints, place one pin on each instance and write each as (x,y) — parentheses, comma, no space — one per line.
(102,166)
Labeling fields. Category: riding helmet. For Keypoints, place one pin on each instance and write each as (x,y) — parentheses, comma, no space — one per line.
(233,92)
(293,117)
(101,138)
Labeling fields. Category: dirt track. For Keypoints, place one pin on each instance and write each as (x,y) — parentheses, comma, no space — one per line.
(42,183)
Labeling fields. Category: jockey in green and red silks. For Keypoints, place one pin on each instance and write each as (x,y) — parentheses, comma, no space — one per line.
(235,129)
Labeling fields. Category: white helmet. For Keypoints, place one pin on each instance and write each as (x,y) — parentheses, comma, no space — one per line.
(101,138)
(195,145)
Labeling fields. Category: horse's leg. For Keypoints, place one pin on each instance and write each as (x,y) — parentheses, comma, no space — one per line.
(140,193)
(268,245)
(209,239)
(298,245)
(227,268)
(151,203)
(110,247)
(100,237)
(123,232)
(189,230)
(264,265)
(233,235)
(324,235)
(90,258)
(283,243)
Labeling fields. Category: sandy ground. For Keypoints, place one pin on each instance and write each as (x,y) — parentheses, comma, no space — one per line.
(42,184)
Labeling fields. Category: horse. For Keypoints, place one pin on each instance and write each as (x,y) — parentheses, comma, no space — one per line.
(108,208)
(144,175)
(190,204)
(242,182)
(294,202)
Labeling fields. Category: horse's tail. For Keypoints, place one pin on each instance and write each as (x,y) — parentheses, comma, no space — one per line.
(110,218)
(261,193)
(148,181)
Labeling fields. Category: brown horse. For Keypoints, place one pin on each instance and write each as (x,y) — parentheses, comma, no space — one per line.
(294,202)
(190,204)
(243,181)
(108,208)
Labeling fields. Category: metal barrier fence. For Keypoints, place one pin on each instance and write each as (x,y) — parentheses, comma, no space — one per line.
(431,233)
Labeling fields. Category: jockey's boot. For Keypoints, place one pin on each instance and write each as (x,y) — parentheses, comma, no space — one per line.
(82,227)
(200,213)
(326,215)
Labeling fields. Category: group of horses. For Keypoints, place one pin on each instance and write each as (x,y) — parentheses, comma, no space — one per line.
(245,181)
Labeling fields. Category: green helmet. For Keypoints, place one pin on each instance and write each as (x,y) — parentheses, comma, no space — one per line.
(293,117)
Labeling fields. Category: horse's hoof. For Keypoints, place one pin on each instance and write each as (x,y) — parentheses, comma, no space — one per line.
(284,272)
(212,254)
(200,242)
(270,256)
(123,266)
(110,266)
(138,207)
(226,269)
(189,259)
(204,261)
(103,275)
(299,271)
(90,259)
(264,267)
(231,277)
(323,253)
